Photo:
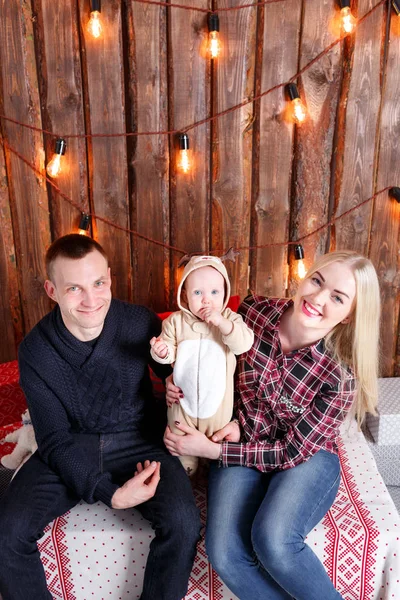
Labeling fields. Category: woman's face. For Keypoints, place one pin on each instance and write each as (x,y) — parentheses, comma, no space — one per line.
(326,298)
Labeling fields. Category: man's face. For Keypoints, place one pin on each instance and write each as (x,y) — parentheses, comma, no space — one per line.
(82,289)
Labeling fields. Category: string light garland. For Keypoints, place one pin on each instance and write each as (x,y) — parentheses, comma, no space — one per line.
(299,111)
(396,6)
(394,193)
(349,22)
(84,224)
(175,248)
(299,256)
(54,167)
(216,116)
(184,160)
(94,26)
(214,42)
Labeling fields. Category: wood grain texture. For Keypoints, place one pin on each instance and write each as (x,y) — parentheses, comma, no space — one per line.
(319,87)
(279,31)
(105,113)
(11,325)
(28,196)
(60,83)
(189,101)
(148,155)
(385,232)
(359,111)
(232,140)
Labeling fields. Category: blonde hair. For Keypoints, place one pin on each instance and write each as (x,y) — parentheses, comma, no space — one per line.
(355,344)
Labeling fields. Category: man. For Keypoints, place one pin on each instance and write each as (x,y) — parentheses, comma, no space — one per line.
(84,371)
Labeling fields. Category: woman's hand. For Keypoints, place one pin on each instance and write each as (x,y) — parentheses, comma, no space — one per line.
(172,392)
(229,433)
(193,443)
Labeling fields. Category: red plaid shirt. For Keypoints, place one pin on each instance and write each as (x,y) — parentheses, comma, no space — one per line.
(289,405)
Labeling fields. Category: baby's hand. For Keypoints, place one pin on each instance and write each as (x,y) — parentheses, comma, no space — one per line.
(211,316)
(159,347)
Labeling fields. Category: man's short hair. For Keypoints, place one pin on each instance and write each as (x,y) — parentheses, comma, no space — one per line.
(74,246)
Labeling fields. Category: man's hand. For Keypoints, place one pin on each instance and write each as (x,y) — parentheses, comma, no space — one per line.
(172,392)
(140,488)
(229,433)
(159,347)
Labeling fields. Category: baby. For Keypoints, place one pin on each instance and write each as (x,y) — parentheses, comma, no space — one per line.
(201,340)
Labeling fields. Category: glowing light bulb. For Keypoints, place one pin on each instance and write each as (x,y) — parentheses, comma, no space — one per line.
(348,21)
(299,111)
(298,107)
(214,43)
(54,167)
(94,27)
(299,255)
(184,162)
(84,224)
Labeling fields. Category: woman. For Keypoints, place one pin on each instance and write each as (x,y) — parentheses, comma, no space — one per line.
(313,359)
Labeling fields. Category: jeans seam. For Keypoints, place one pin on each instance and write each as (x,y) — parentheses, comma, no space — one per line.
(323,498)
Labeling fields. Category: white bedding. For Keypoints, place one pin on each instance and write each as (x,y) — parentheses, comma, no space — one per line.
(94,552)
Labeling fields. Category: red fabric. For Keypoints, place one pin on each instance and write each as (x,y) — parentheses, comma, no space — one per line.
(12,399)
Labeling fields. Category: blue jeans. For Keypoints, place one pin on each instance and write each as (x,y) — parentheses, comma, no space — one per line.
(257,523)
(37,495)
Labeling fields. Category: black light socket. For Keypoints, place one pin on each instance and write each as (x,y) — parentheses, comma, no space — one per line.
(292,91)
(61,146)
(394,193)
(84,223)
(183,141)
(344,3)
(298,252)
(95,5)
(396,6)
(213,22)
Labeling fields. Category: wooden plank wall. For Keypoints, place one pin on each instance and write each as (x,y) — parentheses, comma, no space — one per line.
(257,178)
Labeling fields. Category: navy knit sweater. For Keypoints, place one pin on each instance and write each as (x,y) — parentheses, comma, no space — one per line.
(72,387)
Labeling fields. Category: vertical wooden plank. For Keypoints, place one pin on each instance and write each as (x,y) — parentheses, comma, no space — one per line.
(232,154)
(385,231)
(147,72)
(189,101)
(60,81)
(279,30)
(319,88)
(358,119)
(105,113)
(20,101)
(11,326)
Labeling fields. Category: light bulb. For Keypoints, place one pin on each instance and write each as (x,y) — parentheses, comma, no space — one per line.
(299,110)
(348,21)
(396,6)
(84,224)
(299,255)
(301,269)
(214,44)
(94,27)
(184,162)
(54,167)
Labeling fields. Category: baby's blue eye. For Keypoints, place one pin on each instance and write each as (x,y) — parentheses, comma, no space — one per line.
(197,292)
(215,292)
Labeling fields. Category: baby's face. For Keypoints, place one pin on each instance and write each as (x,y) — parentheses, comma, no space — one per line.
(204,287)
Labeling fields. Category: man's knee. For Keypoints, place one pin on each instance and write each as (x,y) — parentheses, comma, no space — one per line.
(184,522)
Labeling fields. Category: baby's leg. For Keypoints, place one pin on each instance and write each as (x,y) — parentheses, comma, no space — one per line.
(175,413)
